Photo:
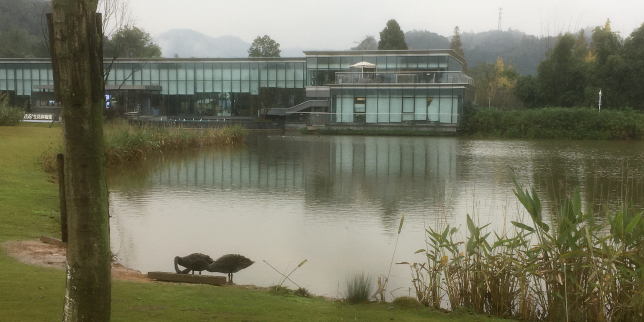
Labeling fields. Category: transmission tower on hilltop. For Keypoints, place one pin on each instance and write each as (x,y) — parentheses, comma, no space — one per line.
(500,12)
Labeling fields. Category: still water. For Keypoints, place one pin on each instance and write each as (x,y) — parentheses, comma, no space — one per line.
(337,201)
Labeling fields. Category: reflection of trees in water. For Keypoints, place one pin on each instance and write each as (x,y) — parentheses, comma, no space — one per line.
(604,180)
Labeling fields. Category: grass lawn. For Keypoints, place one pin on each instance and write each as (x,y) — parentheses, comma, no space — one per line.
(29,208)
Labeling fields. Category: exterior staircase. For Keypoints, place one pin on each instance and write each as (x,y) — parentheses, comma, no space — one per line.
(299,107)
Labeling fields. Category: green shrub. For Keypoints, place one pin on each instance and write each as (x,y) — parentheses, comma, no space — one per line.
(557,123)
(279,290)
(358,288)
(406,302)
(9,115)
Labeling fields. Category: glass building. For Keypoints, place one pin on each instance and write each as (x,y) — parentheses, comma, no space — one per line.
(353,88)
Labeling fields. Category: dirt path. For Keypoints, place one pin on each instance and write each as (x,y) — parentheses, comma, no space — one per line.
(35,252)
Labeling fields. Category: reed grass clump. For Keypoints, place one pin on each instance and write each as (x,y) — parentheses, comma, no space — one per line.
(9,115)
(125,142)
(358,288)
(573,269)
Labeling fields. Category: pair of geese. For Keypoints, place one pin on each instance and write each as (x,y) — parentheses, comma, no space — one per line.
(229,264)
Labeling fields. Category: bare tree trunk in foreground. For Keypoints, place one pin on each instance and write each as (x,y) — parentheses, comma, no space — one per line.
(77,57)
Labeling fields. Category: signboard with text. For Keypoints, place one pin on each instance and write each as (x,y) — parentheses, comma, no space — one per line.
(38,117)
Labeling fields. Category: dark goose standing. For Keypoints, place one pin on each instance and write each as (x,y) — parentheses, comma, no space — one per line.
(193,262)
(229,264)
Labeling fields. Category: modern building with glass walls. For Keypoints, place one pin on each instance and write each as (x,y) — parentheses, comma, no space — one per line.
(338,87)
(392,87)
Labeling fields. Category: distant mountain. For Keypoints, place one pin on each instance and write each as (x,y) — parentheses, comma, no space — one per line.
(189,43)
(21,33)
(423,39)
(524,52)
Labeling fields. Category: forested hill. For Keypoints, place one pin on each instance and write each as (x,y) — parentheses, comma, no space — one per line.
(524,52)
(22,23)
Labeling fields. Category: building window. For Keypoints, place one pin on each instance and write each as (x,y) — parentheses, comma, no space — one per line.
(359,104)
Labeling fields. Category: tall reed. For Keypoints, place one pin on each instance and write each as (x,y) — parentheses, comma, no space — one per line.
(570,269)
(125,142)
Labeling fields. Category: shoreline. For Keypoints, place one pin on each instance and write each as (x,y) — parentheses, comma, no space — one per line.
(39,253)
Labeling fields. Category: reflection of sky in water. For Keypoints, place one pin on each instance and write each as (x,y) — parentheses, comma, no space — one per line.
(337,201)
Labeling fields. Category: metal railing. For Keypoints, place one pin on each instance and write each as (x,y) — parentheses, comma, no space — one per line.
(403,77)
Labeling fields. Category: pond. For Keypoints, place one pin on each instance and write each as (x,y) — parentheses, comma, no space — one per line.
(337,201)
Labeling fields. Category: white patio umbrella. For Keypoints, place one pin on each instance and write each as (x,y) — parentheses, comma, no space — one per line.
(362,65)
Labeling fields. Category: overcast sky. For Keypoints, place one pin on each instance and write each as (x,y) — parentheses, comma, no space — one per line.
(337,24)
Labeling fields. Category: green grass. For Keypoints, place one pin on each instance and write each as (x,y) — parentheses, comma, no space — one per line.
(28,196)
(29,202)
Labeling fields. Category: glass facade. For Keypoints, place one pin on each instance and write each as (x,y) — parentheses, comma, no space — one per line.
(405,87)
(418,105)
(400,87)
(172,87)
(321,67)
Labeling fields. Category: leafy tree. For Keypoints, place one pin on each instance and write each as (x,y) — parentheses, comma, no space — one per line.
(494,84)
(562,75)
(633,54)
(607,67)
(604,43)
(369,43)
(392,37)
(264,47)
(131,42)
(457,46)
(581,45)
(526,90)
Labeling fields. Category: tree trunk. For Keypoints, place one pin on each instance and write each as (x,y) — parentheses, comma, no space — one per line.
(76,44)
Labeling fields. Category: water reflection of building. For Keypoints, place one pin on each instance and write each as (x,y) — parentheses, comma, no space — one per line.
(390,169)
(384,171)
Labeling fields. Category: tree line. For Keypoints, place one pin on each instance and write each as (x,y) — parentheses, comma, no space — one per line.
(574,72)
(23,31)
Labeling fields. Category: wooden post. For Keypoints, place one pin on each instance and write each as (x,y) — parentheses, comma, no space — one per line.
(60,160)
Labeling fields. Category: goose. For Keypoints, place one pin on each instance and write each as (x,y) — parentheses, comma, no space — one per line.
(229,264)
(193,262)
